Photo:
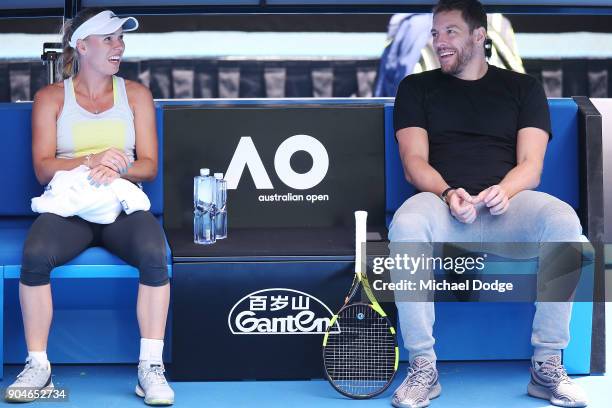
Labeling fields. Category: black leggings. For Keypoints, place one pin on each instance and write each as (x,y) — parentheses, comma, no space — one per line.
(138,239)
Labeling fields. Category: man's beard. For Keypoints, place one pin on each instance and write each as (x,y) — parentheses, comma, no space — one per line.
(462,58)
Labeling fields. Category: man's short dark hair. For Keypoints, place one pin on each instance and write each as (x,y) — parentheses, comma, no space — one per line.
(471,10)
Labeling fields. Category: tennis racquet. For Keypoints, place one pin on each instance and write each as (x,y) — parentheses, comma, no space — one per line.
(360,351)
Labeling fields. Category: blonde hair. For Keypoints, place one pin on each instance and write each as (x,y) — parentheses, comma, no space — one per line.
(69,61)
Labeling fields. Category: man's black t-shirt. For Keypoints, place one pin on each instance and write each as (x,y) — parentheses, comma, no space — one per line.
(472,126)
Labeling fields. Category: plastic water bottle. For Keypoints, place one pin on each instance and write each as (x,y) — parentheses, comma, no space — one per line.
(221,207)
(204,191)
(203,173)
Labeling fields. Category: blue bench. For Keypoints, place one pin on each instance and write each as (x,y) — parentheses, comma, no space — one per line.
(95,315)
(500,331)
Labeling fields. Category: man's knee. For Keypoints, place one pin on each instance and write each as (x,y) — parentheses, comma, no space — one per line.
(409,226)
(413,221)
(560,222)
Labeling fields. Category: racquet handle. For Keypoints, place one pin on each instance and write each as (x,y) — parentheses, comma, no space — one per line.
(361,220)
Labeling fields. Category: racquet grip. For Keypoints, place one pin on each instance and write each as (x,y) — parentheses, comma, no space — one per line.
(361,220)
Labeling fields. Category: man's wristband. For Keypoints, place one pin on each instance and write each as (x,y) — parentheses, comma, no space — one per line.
(445,194)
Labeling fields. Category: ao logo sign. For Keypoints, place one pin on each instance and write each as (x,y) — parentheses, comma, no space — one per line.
(246,155)
(279,311)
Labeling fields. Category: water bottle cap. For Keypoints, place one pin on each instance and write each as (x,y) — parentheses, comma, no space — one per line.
(219,176)
(204,172)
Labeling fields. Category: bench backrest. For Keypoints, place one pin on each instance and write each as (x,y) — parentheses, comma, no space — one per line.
(17,180)
(19,185)
(559,178)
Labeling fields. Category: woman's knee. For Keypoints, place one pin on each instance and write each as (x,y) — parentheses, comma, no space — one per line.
(36,264)
(152,264)
(154,276)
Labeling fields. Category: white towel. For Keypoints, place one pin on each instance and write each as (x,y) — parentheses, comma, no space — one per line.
(69,193)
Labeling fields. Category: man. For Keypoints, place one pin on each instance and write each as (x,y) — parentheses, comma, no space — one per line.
(472,139)
(410,49)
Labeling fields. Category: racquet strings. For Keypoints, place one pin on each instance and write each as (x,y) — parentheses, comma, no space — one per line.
(360,352)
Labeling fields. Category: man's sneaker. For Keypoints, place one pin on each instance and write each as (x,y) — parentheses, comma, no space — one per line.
(419,387)
(549,381)
(152,384)
(34,378)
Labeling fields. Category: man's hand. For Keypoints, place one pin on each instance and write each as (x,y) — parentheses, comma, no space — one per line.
(462,205)
(495,198)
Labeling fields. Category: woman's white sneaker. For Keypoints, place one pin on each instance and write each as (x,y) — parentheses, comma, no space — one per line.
(152,384)
(34,378)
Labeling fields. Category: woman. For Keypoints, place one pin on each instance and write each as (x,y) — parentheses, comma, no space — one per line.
(96,119)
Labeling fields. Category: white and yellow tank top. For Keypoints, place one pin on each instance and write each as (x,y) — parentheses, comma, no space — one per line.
(80,132)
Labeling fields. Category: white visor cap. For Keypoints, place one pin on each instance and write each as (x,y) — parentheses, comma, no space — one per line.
(105,22)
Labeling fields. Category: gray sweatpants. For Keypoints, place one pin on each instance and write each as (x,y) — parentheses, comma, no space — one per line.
(531,217)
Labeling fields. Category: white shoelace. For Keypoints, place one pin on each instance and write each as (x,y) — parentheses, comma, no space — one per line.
(154,374)
(421,376)
(555,370)
(28,373)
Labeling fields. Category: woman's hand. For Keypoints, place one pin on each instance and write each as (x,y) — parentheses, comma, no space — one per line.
(112,158)
(102,175)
